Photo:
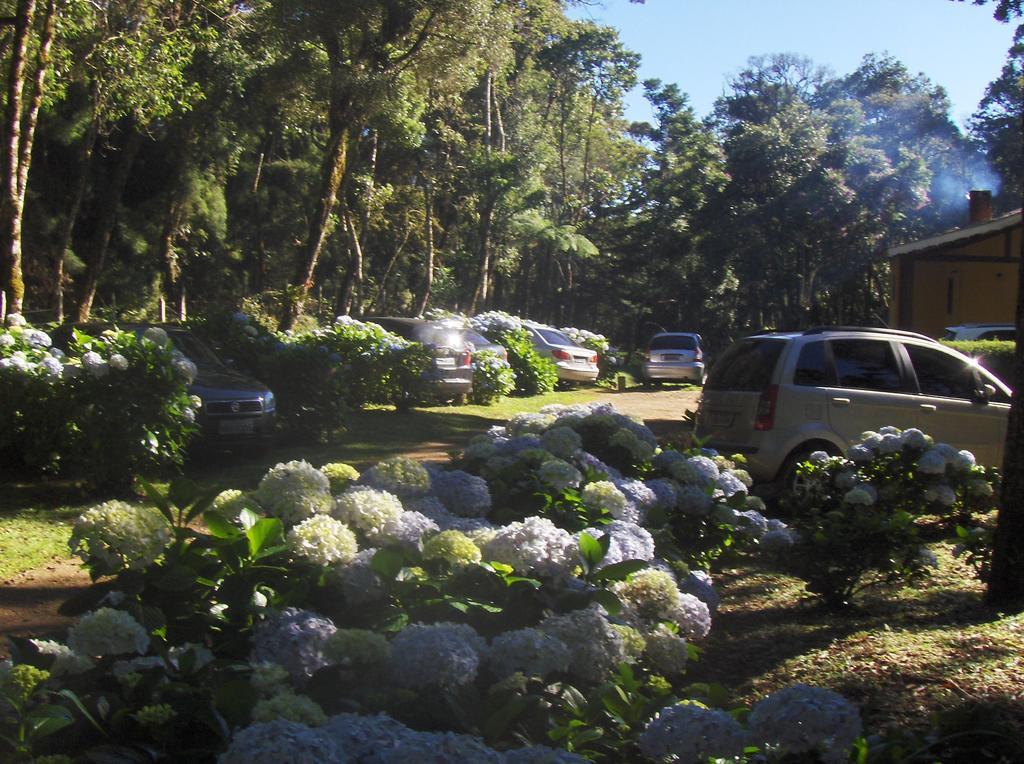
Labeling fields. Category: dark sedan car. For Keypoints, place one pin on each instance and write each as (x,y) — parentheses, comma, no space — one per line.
(235,407)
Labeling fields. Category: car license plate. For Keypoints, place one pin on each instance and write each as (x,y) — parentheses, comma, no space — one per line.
(671,357)
(444,363)
(245,426)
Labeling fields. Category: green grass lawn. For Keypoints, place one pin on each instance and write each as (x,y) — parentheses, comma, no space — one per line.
(35,517)
(909,656)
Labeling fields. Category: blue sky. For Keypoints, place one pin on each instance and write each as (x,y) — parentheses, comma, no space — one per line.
(698,44)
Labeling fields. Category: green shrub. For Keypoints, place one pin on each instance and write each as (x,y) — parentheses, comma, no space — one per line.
(535,374)
(996,356)
(855,518)
(116,405)
(493,378)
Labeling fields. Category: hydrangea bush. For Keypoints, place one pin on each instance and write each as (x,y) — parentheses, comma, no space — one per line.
(856,516)
(110,407)
(534,374)
(443,613)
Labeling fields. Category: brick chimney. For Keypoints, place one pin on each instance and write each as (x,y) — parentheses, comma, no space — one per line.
(980,208)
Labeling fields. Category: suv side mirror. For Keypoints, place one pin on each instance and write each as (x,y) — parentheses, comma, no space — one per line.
(984,393)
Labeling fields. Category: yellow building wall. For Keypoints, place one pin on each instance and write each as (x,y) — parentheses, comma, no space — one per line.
(982,292)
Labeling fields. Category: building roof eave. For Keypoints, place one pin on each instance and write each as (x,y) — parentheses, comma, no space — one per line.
(959,236)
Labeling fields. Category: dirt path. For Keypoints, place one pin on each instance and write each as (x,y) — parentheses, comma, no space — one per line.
(29,600)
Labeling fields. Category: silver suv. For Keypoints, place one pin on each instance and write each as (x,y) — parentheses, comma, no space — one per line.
(776,397)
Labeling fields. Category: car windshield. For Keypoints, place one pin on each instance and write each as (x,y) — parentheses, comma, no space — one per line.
(554,337)
(747,366)
(674,342)
(476,338)
(196,351)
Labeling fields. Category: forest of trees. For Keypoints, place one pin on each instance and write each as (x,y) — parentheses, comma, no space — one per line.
(315,156)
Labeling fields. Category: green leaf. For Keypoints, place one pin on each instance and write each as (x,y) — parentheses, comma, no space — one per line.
(590,551)
(158,499)
(387,563)
(201,504)
(608,601)
(264,533)
(182,492)
(620,571)
(219,526)
(497,723)
(47,719)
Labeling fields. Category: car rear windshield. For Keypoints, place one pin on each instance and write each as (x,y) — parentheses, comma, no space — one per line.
(747,366)
(554,337)
(674,342)
(440,336)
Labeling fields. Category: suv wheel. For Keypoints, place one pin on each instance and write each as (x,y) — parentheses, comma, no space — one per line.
(788,479)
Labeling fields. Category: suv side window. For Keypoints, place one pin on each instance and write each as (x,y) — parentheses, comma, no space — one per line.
(1004,335)
(812,369)
(866,365)
(941,374)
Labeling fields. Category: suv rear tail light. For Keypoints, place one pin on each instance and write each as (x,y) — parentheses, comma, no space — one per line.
(465,358)
(699,355)
(764,419)
(562,355)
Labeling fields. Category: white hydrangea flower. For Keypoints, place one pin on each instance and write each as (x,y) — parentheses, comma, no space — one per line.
(443,655)
(294,491)
(15,320)
(860,454)
(914,439)
(399,475)
(693,500)
(294,639)
(118,362)
(802,719)
(931,462)
(280,741)
(185,368)
(639,449)
(863,495)
(94,364)
(461,493)
(66,661)
(629,541)
(690,732)
(359,582)
(692,616)
(157,336)
(120,535)
(818,457)
(890,443)
(107,632)
(666,652)
(980,487)
(941,494)
(963,461)
(368,509)
(407,530)
(529,651)
(527,423)
(561,441)
(729,484)
(604,495)
(322,540)
(535,546)
(559,475)
(597,647)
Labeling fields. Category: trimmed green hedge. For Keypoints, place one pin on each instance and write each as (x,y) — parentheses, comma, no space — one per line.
(996,356)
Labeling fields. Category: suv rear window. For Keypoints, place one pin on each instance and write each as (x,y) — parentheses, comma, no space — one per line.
(673,342)
(747,366)
(554,337)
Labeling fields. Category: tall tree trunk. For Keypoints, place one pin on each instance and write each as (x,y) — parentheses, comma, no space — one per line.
(10,215)
(67,230)
(107,220)
(169,263)
(428,235)
(332,172)
(1006,579)
(483,253)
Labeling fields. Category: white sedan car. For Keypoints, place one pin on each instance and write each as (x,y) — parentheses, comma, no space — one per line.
(575,363)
